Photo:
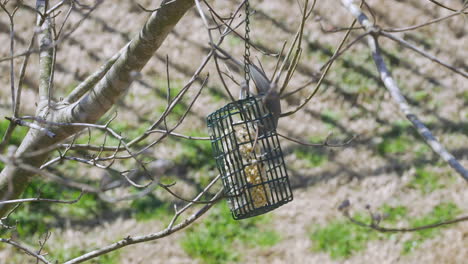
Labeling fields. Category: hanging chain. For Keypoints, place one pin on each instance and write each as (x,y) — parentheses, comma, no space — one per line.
(247,47)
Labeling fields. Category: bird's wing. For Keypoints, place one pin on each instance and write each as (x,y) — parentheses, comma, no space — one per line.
(258,75)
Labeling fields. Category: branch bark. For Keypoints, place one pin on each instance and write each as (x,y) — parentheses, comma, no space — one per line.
(46,54)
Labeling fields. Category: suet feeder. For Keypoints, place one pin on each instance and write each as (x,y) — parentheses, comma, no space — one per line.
(249,157)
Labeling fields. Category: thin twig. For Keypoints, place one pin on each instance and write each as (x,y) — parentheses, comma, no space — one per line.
(42,243)
(27,250)
(376,218)
(326,143)
(442,5)
(423,53)
(144,238)
(336,55)
(26,200)
(20,122)
(55,43)
(408,229)
(423,24)
(324,74)
(12,52)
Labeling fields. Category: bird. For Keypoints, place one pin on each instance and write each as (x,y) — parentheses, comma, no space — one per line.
(266,89)
(251,152)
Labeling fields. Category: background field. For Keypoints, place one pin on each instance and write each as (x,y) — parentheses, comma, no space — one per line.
(387,167)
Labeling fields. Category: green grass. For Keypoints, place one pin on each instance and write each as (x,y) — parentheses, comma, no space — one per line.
(129,131)
(355,76)
(399,140)
(16,137)
(440,213)
(69,88)
(356,83)
(341,238)
(421,39)
(234,41)
(425,181)
(422,151)
(18,134)
(176,113)
(195,154)
(403,138)
(399,145)
(36,218)
(330,116)
(150,207)
(464,95)
(180,108)
(421,96)
(313,157)
(393,214)
(220,239)
(217,94)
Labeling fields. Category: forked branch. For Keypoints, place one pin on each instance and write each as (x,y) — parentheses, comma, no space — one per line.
(394,90)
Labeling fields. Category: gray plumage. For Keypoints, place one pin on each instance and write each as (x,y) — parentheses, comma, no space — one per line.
(265,89)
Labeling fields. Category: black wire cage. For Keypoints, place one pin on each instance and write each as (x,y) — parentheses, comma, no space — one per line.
(249,157)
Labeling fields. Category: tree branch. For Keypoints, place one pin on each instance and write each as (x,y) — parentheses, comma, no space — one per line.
(395,92)
(46,54)
(38,199)
(119,77)
(92,80)
(93,104)
(423,53)
(139,239)
(25,249)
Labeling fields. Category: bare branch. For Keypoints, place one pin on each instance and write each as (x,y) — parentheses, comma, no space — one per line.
(26,200)
(424,24)
(20,122)
(27,250)
(144,238)
(196,201)
(394,90)
(376,218)
(189,83)
(12,51)
(423,53)
(64,181)
(442,5)
(42,243)
(176,134)
(54,43)
(3,219)
(22,76)
(408,229)
(324,74)
(336,55)
(326,143)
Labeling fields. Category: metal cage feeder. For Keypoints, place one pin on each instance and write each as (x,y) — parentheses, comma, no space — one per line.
(249,157)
